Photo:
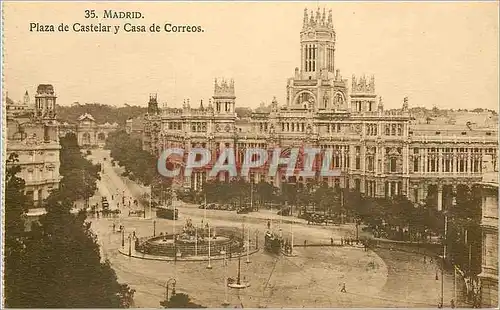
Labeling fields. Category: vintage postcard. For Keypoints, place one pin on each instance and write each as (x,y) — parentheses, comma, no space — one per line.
(250,154)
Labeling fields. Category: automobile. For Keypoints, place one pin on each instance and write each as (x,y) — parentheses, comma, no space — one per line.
(105,205)
(286,211)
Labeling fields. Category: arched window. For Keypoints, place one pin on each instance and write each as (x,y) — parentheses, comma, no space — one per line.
(339,100)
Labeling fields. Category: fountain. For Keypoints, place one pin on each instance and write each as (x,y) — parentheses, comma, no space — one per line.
(194,241)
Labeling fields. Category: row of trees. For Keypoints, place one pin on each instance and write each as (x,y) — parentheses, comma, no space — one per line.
(101,112)
(56,263)
(127,151)
(395,218)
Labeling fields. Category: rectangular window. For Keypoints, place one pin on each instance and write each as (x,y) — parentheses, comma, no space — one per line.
(393,164)
(358,163)
(415,165)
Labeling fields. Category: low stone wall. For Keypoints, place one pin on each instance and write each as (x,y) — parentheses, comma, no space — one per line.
(233,245)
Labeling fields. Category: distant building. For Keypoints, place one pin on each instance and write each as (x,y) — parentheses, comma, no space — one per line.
(35,140)
(88,132)
(20,108)
(489,224)
(135,126)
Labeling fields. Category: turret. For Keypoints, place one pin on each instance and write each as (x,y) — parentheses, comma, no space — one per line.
(317,43)
(153,105)
(45,102)
(224,97)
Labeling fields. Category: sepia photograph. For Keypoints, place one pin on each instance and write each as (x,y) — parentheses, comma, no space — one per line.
(320,154)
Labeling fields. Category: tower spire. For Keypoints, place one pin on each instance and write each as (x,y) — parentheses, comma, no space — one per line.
(306,19)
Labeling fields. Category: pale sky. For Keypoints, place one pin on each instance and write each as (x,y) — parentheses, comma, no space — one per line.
(438,54)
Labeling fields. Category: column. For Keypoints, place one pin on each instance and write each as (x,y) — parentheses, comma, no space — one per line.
(389,188)
(426,163)
(363,159)
(440,197)
(469,159)
(440,160)
(424,190)
(341,157)
(396,188)
(405,159)
(421,161)
(452,159)
(352,161)
(377,150)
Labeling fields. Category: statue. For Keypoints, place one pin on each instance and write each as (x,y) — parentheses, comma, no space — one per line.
(309,129)
(271,129)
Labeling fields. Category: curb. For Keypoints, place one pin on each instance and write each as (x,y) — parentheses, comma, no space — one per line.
(139,255)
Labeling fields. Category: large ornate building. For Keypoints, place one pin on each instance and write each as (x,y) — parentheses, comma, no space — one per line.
(35,140)
(380,153)
(489,225)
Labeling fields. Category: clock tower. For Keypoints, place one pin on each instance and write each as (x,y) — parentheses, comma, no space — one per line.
(318,84)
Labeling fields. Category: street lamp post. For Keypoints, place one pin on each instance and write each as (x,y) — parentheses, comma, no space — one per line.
(256,239)
(167,286)
(209,246)
(248,245)
(357,230)
(123,236)
(225,303)
(129,245)
(154,228)
(196,240)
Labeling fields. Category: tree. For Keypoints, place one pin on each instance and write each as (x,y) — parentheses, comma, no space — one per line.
(16,206)
(57,263)
(127,152)
(180,300)
(265,192)
(79,175)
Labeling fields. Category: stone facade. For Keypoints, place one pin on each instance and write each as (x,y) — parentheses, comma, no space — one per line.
(36,142)
(380,153)
(489,224)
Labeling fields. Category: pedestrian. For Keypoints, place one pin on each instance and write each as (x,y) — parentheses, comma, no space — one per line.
(112,197)
(343,290)
(114,227)
(268,225)
(305,243)
(425,259)
(342,241)
(452,304)
(97,214)
(331,241)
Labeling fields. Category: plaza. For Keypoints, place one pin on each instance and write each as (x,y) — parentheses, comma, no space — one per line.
(312,278)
